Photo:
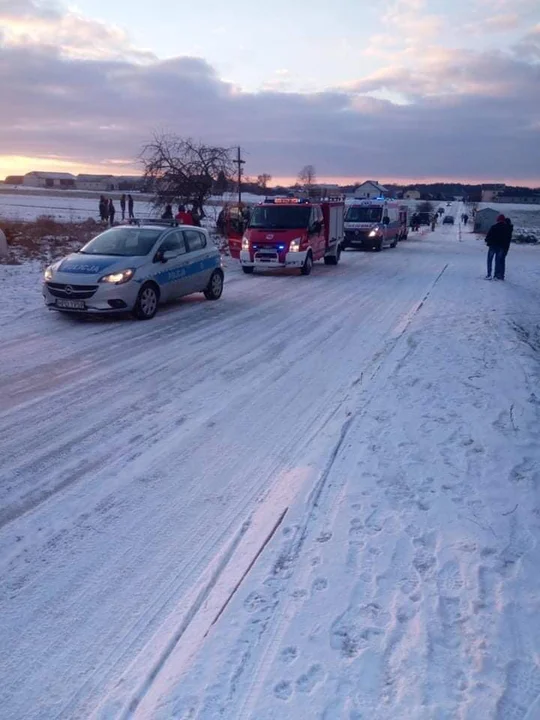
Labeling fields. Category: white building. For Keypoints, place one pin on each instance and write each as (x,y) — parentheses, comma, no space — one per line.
(370,189)
(36,179)
(411,195)
(95,182)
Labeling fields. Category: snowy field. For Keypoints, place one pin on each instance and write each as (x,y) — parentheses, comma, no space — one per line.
(73,208)
(316,498)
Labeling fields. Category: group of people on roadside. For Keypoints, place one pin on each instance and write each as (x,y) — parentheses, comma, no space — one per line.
(107,210)
(498,240)
(183,216)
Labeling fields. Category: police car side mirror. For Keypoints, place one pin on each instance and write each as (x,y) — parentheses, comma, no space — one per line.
(169,255)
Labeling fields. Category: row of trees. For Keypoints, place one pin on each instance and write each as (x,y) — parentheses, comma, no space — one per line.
(183,171)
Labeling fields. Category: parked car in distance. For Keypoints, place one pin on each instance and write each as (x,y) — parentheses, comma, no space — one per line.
(448,220)
(134,268)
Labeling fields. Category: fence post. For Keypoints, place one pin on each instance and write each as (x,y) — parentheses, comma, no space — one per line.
(3,245)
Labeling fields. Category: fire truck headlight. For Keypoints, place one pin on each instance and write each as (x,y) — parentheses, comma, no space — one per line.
(295,245)
(245,243)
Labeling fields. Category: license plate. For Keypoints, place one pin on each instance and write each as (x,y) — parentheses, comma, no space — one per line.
(71,304)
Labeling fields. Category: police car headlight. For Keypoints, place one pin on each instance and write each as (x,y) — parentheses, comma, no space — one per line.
(295,245)
(118,278)
(48,274)
(245,243)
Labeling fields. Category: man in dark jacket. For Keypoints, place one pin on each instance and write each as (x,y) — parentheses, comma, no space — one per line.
(123,206)
(103,209)
(130,207)
(111,212)
(498,242)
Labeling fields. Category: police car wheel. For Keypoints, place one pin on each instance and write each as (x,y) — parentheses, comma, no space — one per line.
(147,303)
(215,286)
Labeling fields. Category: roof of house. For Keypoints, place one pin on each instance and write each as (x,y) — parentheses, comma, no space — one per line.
(373,182)
(83,176)
(50,175)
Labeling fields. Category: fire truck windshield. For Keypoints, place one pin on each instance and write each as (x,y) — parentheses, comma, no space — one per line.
(280,217)
(363,214)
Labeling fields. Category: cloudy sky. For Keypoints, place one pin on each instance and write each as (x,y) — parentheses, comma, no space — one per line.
(390,90)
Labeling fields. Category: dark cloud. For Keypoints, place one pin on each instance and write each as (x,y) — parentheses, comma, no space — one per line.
(470,116)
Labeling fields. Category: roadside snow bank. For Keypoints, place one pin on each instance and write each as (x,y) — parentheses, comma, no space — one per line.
(406,586)
(20,290)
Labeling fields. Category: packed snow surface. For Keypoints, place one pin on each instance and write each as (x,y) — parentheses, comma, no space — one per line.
(316,498)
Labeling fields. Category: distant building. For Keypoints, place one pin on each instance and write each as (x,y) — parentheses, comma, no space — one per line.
(95,182)
(370,189)
(490,192)
(64,181)
(321,190)
(129,182)
(484,219)
(411,195)
(14,180)
(519,197)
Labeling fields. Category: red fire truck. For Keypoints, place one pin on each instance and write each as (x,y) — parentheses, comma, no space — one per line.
(293,233)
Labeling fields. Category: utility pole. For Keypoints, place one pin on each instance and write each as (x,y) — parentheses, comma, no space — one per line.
(239,162)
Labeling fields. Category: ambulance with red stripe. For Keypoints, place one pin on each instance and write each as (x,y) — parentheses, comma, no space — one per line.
(285,232)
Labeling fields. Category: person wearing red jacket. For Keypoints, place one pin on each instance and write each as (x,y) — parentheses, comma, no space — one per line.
(183,217)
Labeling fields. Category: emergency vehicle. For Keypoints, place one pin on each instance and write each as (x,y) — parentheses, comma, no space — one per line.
(375,224)
(231,223)
(293,233)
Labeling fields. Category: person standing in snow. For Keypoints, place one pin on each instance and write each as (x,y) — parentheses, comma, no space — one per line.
(103,209)
(130,207)
(510,233)
(123,206)
(168,214)
(112,212)
(184,217)
(498,242)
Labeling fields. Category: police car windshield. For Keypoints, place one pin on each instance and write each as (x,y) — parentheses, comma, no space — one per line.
(279,217)
(124,242)
(363,214)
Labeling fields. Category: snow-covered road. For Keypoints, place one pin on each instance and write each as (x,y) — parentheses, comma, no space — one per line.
(387,404)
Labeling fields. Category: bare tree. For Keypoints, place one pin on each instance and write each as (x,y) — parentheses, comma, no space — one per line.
(263,180)
(182,170)
(307,176)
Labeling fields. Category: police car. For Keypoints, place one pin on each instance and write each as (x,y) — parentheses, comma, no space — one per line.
(134,268)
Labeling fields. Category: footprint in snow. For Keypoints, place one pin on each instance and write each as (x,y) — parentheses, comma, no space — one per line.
(449,579)
(320,584)
(307,682)
(521,691)
(324,537)
(283,690)
(289,654)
